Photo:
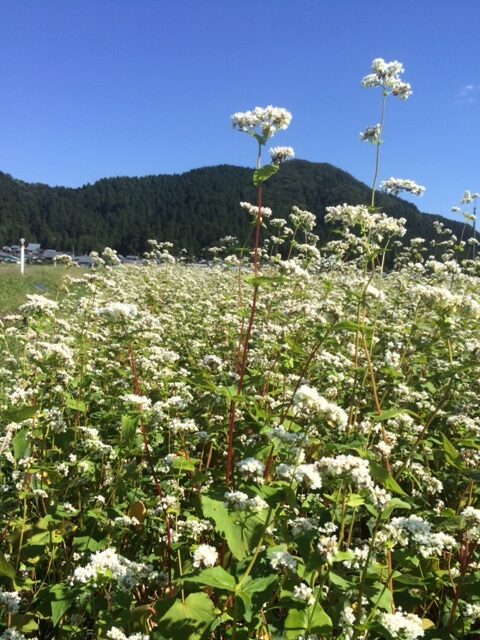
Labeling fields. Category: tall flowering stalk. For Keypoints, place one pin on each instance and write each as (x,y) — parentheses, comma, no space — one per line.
(387,76)
(261,124)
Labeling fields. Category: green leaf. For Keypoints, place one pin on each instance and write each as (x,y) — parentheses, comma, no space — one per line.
(295,623)
(452,456)
(215,577)
(394,503)
(354,500)
(320,622)
(6,569)
(241,531)
(188,620)
(381,475)
(21,445)
(62,599)
(263,174)
(184,464)
(76,405)
(128,429)
(258,585)
(225,525)
(312,619)
(19,414)
(338,581)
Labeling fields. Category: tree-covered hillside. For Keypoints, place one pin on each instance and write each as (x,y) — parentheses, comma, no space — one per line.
(192,210)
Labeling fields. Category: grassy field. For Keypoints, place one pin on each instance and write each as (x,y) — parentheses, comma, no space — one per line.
(40,279)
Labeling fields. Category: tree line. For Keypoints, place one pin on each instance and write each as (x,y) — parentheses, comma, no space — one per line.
(193,210)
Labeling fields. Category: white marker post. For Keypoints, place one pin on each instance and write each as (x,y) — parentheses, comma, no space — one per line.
(22,256)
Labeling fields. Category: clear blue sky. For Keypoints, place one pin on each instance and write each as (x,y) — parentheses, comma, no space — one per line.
(99,88)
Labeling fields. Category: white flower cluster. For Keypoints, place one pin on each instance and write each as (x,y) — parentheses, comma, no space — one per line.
(406,626)
(187,425)
(141,402)
(468,197)
(309,399)
(397,185)
(109,565)
(386,75)
(10,600)
(280,154)
(418,531)
(117,634)
(267,120)
(371,134)
(118,310)
(110,256)
(253,210)
(357,470)
(304,593)
(204,556)
(252,468)
(283,560)
(302,219)
(193,528)
(359,215)
(472,520)
(13,634)
(39,304)
(303,473)
(239,501)
(327,544)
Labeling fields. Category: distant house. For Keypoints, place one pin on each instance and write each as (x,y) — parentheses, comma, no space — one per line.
(83,261)
(33,247)
(50,254)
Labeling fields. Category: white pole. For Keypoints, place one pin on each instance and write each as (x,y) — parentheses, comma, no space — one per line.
(22,256)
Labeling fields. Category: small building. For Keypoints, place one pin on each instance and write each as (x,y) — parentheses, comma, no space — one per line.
(50,254)
(33,247)
(83,261)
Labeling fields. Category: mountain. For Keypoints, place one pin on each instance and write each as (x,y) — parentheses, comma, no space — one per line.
(192,210)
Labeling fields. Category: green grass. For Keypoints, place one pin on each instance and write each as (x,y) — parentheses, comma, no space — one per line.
(41,279)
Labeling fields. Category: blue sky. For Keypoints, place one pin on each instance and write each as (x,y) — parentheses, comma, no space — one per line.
(99,88)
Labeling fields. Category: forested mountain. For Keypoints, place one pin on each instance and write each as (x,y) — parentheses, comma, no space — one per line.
(192,210)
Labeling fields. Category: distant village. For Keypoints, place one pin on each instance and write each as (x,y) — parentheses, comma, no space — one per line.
(34,254)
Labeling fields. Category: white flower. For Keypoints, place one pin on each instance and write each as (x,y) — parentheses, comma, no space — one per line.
(251,466)
(283,560)
(109,565)
(396,185)
(119,310)
(253,210)
(205,556)
(371,134)
(10,600)
(304,593)
(142,402)
(266,120)
(117,634)
(386,75)
(406,626)
(280,154)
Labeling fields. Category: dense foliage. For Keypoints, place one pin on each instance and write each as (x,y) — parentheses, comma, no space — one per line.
(193,210)
(281,446)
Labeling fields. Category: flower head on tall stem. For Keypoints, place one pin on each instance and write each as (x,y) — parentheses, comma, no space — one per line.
(262,121)
(387,76)
(397,185)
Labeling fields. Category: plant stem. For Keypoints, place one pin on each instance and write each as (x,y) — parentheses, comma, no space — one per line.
(377,154)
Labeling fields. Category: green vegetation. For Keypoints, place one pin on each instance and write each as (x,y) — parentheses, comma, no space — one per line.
(14,287)
(193,210)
